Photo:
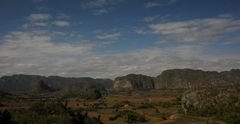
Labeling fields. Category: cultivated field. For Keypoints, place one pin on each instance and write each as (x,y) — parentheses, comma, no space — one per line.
(151,107)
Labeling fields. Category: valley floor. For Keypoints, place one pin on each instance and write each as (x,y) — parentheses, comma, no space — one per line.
(156,106)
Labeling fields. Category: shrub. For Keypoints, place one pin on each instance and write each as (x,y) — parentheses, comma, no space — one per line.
(120,104)
(129,116)
(228,112)
(164,116)
(232,118)
(6,118)
(116,106)
(220,103)
(79,118)
(168,104)
(125,102)
(45,108)
(146,105)
(1,105)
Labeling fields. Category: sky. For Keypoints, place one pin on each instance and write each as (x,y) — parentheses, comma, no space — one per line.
(110,38)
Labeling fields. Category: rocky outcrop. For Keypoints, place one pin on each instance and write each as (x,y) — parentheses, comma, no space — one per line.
(188,78)
(178,79)
(30,83)
(170,79)
(134,81)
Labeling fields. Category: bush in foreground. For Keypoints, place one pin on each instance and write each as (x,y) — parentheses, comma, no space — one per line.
(221,104)
(6,118)
(129,116)
(78,117)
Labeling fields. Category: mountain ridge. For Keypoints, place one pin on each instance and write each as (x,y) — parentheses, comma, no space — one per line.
(26,83)
(170,79)
(180,78)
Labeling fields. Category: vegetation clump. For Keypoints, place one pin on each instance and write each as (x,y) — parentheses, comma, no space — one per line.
(6,117)
(78,117)
(120,104)
(222,105)
(129,116)
(163,116)
(46,108)
(145,105)
(91,92)
(55,112)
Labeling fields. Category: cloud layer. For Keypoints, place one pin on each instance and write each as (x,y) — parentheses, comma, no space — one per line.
(197,30)
(100,6)
(152,4)
(35,53)
(34,49)
(61,23)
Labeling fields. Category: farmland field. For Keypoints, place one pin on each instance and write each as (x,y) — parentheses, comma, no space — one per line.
(156,106)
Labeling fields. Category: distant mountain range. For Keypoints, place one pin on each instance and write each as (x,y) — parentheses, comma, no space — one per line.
(179,78)
(35,83)
(185,78)
(170,79)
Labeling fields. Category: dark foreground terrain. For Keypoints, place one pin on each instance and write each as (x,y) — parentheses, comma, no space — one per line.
(205,106)
(197,97)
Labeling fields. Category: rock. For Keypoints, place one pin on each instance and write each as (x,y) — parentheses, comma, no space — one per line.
(125,84)
(173,117)
(169,79)
(134,81)
(189,78)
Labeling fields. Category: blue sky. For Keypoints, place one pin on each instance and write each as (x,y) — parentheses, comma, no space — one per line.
(109,38)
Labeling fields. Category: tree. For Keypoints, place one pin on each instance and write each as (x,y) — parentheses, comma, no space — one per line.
(5,117)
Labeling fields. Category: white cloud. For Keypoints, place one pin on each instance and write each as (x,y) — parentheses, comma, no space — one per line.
(36,24)
(108,35)
(154,60)
(150,18)
(142,30)
(100,6)
(100,11)
(61,23)
(39,42)
(40,24)
(160,42)
(197,30)
(62,16)
(104,37)
(39,17)
(35,51)
(152,4)
(97,3)
(46,20)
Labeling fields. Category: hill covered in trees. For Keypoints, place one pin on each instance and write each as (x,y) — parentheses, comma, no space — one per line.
(179,78)
(169,79)
(32,83)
